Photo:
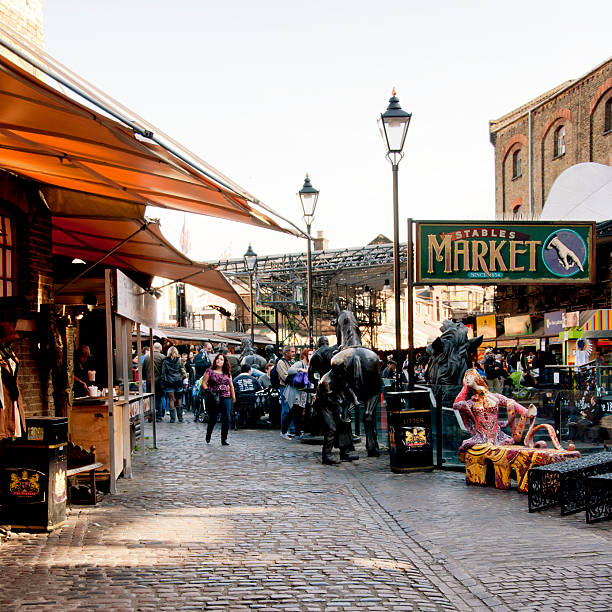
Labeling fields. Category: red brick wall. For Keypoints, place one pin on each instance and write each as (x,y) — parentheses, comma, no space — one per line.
(580,108)
(34,288)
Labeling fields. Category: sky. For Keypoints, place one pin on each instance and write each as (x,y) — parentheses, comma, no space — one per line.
(269,91)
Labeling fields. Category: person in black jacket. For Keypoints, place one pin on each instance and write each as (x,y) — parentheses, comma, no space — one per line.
(158,359)
(172,376)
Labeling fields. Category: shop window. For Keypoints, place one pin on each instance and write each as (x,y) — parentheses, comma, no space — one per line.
(559,147)
(608,116)
(7,256)
(517,163)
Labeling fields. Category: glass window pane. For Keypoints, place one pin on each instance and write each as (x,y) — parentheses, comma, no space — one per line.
(9,289)
(9,261)
(8,230)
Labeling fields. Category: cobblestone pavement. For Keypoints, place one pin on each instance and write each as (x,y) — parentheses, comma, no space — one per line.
(261,524)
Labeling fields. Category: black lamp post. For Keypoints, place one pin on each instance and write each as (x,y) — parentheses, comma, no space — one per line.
(308,198)
(393,124)
(250,260)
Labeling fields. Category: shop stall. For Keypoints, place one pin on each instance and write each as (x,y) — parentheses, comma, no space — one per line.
(112,417)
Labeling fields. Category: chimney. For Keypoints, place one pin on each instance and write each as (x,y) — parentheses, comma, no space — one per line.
(320,243)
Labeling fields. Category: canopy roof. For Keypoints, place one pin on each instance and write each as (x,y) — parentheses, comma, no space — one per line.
(76,147)
(136,244)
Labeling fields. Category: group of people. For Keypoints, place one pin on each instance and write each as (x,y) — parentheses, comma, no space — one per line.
(219,384)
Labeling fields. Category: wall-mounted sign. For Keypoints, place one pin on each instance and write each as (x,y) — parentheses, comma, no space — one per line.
(485,326)
(553,322)
(134,303)
(518,326)
(570,319)
(498,253)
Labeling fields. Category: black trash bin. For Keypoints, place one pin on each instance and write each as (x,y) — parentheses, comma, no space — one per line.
(410,436)
(34,475)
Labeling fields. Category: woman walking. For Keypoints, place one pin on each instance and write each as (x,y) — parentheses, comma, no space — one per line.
(172,376)
(219,393)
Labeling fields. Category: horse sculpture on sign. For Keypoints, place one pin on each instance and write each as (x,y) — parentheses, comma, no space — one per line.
(353,377)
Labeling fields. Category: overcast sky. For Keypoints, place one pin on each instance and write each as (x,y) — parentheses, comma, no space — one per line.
(267,91)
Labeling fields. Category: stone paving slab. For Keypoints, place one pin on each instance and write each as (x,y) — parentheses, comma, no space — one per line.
(262,525)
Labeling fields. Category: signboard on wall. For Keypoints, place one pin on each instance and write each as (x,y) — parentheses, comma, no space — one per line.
(553,322)
(570,319)
(134,303)
(518,326)
(498,252)
(485,326)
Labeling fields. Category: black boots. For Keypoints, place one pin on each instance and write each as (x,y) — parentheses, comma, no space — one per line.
(348,456)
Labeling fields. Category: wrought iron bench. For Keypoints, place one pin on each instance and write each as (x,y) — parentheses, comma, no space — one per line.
(564,483)
(81,461)
(599,498)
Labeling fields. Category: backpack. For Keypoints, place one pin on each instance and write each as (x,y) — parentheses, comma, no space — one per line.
(275,382)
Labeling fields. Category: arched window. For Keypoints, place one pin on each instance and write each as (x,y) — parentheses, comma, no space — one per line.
(559,148)
(608,116)
(517,164)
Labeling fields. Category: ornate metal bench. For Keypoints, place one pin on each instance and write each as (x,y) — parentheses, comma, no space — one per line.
(564,484)
(599,498)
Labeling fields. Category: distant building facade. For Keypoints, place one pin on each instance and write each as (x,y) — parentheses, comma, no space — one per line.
(535,143)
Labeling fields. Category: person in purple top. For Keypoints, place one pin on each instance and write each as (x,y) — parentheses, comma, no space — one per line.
(219,392)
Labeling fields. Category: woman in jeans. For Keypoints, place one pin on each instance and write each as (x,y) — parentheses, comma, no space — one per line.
(219,392)
(172,376)
(295,397)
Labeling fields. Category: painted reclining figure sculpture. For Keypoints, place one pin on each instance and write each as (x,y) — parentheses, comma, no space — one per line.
(480,414)
(479,410)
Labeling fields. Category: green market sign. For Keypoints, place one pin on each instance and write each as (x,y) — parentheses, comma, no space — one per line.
(498,253)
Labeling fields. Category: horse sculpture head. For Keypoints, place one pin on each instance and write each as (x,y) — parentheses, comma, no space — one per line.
(246,348)
(450,355)
(347,328)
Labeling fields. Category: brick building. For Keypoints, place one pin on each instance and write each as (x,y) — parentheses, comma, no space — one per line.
(26,266)
(536,142)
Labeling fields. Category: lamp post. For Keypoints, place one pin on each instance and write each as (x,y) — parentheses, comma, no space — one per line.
(308,198)
(393,124)
(250,260)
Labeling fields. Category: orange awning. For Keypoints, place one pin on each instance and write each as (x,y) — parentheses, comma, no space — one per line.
(81,154)
(147,251)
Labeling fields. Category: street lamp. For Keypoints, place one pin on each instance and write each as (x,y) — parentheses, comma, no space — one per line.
(250,260)
(308,198)
(393,124)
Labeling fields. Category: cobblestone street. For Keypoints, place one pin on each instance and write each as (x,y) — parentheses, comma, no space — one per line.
(261,524)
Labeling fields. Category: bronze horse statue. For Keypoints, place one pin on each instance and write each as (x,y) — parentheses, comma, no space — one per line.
(353,377)
(250,357)
(450,355)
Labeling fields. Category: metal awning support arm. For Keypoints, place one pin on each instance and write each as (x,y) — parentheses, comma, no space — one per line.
(101,259)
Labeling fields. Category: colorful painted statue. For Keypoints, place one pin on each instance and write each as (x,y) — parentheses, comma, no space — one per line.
(480,414)
(490,446)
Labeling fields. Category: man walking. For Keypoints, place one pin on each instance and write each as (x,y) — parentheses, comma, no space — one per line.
(158,358)
(202,360)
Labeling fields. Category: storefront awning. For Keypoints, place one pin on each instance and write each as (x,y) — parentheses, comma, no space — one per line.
(598,324)
(83,156)
(146,251)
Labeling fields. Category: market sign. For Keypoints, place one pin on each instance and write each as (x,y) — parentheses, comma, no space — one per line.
(499,252)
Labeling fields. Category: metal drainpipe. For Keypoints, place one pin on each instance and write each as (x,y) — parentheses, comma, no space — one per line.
(530,167)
